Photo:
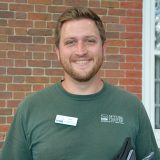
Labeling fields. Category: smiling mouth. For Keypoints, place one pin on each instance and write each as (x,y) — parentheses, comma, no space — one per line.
(82,62)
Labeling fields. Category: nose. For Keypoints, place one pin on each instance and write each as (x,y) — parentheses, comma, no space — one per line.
(81,48)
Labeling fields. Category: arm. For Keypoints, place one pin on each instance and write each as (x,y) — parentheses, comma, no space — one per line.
(16,146)
(145,140)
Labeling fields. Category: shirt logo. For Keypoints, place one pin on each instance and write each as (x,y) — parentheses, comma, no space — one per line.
(107,118)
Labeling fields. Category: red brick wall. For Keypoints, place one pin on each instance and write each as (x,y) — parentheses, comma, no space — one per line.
(27,59)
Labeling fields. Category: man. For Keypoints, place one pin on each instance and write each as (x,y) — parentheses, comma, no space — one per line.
(81,117)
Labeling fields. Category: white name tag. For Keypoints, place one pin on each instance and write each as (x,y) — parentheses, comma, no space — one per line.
(72,121)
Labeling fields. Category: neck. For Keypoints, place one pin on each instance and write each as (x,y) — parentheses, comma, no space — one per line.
(82,88)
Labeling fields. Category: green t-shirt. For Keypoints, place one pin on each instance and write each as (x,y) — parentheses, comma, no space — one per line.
(105,119)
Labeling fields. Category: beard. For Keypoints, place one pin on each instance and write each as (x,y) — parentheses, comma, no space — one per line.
(82,75)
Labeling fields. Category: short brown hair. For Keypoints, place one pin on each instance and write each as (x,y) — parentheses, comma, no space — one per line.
(79,13)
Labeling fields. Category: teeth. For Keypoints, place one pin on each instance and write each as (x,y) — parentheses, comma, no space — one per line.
(81,62)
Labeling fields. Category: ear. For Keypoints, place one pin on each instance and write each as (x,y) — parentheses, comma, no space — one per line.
(57,53)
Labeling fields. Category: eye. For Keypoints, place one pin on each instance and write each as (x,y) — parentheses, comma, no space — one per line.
(70,42)
(91,41)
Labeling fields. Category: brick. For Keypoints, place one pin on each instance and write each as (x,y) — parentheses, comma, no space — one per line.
(2,103)
(57,2)
(13,103)
(112,50)
(2,87)
(38,47)
(6,62)
(128,20)
(40,32)
(3,38)
(75,3)
(38,87)
(131,66)
(56,9)
(5,95)
(50,40)
(109,4)
(7,1)
(114,73)
(5,79)
(21,31)
(19,71)
(52,72)
(6,14)
(130,35)
(21,1)
(2,71)
(39,40)
(39,63)
(134,89)
(115,58)
(20,39)
(20,63)
(21,15)
(19,87)
(134,74)
(19,55)
(112,35)
(115,27)
(131,5)
(4,128)
(134,13)
(131,51)
(18,79)
(3,22)
(55,79)
(116,43)
(40,8)
(134,28)
(3,6)
(110,19)
(20,23)
(2,121)
(39,16)
(94,3)
(117,12)
(41,24)
(38,71)
(56,64)
(129,81)
(50,56)
(110,65)
(3,54)
(134,43)
(10,119)
(6,31)
(37,79)
(18,95)
(45,2)
(113,81)
(134,58)
(38,55)
(21,7)
(20,47)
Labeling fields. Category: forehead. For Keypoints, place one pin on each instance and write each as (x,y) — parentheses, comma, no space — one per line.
(79,27)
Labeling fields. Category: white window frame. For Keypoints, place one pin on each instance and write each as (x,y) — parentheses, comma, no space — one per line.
(148,63)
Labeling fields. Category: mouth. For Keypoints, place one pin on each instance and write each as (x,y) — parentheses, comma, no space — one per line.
(82,62)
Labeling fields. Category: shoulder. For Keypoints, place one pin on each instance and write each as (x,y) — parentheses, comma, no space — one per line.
(38,99)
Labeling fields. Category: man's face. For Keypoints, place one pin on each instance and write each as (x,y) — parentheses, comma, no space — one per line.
(80,49)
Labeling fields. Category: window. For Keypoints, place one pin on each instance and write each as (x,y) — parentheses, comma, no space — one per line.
(157,92)
(151,63)
(157,64)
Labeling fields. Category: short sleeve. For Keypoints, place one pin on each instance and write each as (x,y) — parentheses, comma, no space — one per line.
(16,146)
(145,140)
